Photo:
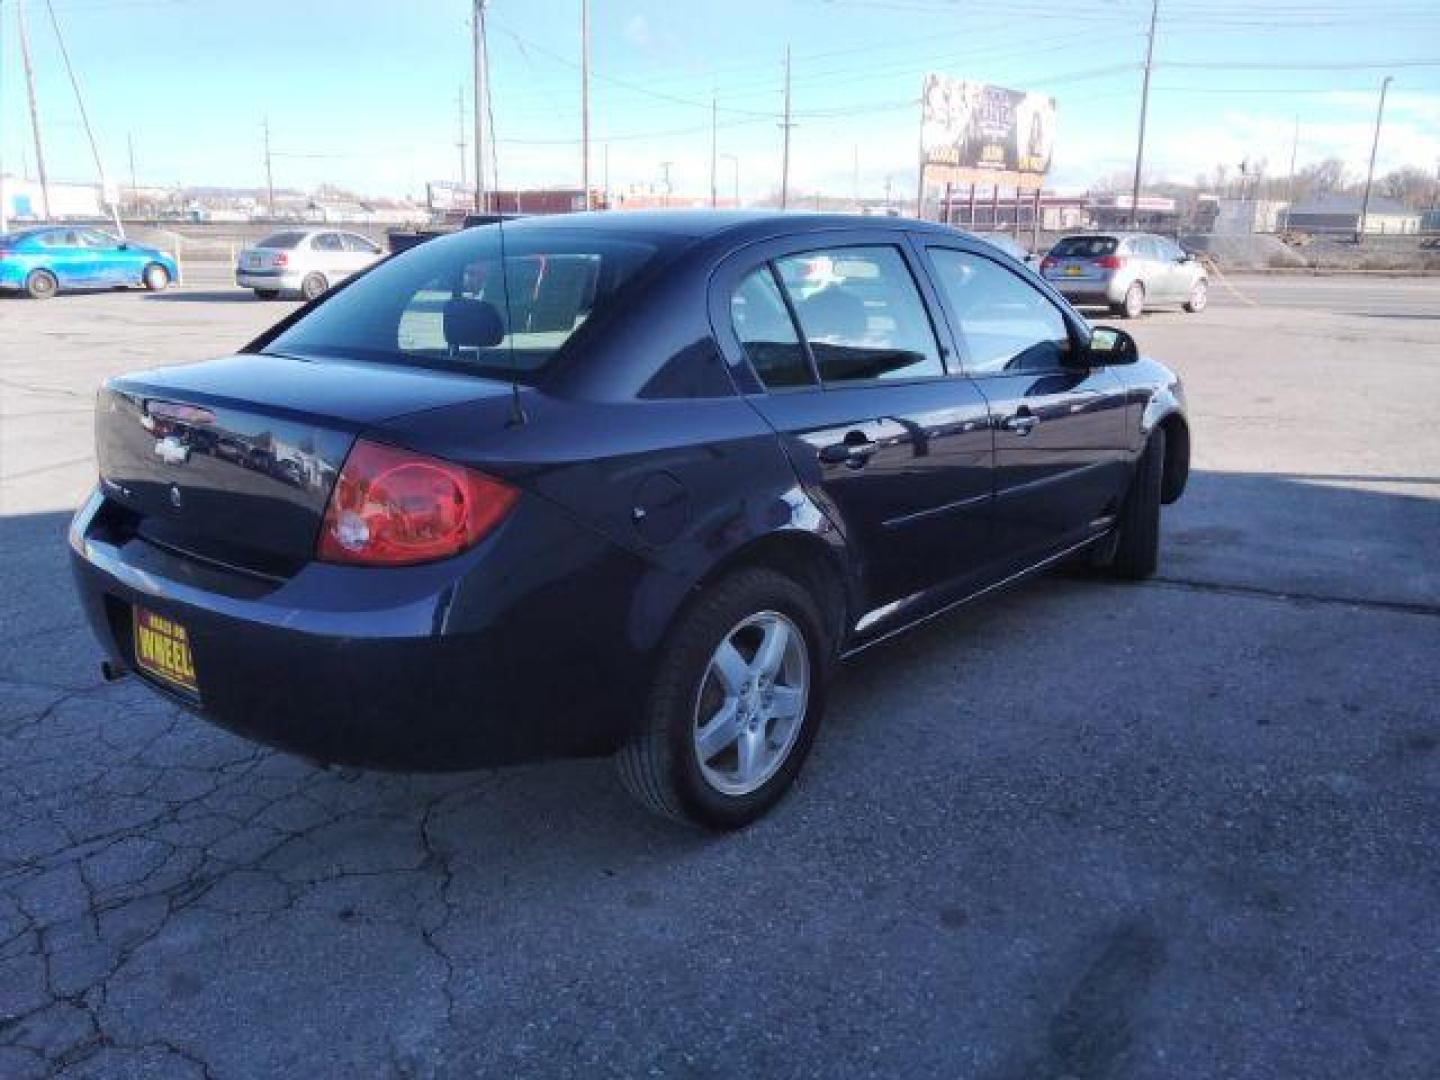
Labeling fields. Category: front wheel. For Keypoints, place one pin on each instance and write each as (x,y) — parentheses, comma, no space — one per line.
(1137,545)
(1199,297)
(735,704)
(41,285)
(156,278)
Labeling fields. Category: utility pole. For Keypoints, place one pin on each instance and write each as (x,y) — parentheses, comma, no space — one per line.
(1374,146)
(786,125)
(714,151)
(1290,183)
(134,187)
(4,197)
(85,121)
(665,167)
(34,108)
(734,160)
(269,174)
(481,99)
(461,144)
(1144,109)
(585,100)
(605,180)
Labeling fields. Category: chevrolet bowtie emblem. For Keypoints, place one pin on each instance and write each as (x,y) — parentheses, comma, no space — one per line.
(172,451)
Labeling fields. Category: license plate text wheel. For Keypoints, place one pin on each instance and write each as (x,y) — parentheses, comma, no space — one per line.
(162,649)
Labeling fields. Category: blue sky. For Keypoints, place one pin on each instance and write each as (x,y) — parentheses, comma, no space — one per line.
(363,93)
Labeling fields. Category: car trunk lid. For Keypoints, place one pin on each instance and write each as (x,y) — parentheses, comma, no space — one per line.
(232,460)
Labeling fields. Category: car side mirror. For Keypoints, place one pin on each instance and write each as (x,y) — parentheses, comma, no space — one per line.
(1110,346)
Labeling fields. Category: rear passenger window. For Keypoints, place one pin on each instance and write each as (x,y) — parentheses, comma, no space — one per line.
(764,328)
(327,242)
(1008,325)
(862,314)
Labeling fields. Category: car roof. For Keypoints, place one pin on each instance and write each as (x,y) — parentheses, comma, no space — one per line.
(683,228)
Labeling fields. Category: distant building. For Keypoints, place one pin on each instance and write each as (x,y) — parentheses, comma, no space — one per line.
(24,204)
(1239,217)
(1058,213)
(1340,214)
(1157,213)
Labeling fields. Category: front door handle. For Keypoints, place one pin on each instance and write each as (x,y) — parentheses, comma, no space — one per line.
(854,450)
(1020,423)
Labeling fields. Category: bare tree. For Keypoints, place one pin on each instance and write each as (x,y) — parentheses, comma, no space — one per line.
(1411,186)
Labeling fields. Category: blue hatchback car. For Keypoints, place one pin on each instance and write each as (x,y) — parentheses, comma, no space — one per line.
(42,261)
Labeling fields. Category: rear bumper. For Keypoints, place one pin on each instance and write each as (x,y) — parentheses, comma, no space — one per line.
(249,279)
(1089,291)
(484,659)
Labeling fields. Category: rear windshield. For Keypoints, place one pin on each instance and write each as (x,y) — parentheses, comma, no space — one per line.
(446,303)
(282,240)
(1084,247)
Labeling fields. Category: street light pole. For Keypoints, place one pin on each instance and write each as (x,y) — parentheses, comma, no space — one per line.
(1374,147)
(1144,110)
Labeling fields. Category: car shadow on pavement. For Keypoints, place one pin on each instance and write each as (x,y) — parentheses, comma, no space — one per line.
(185,295)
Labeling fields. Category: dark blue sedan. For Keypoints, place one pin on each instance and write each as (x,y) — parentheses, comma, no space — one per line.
(613,484)
(40,262)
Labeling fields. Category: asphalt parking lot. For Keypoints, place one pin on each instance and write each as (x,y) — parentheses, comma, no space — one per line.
(1187,828)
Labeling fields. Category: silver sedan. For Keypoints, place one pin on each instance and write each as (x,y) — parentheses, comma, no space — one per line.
(304,261)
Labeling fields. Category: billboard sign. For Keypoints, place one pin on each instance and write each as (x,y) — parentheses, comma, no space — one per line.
(980,128)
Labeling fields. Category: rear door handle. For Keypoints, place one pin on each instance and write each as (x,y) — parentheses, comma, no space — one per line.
(1020,423)
(854,450)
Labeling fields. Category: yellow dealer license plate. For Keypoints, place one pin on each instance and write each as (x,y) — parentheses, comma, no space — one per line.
(1072,271)
(162,648)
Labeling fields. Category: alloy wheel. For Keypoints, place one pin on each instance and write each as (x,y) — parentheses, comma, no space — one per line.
(1134,301)
(751,703)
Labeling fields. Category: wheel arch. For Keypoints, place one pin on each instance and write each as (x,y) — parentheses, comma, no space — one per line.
(816,563)
(1177,456)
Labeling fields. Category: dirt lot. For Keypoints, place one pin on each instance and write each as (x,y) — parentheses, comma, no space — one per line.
(1184,828)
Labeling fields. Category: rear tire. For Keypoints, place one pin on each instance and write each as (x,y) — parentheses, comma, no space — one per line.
(1133,306)
(1199,297)
(266,294)
(41,285)
(767,736)
(156,278)
(313,286)
(1137,545)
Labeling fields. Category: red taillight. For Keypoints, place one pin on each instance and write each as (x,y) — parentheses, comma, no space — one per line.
(1048,263)
(393,507)
(281,259)
(1110,262)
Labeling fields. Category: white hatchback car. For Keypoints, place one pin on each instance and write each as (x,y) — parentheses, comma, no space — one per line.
(304,261)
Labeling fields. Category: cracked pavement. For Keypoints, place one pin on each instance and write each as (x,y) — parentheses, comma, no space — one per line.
(1185,828)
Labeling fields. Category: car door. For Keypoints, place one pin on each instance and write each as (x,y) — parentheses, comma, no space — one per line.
(1159,276)
(113,264)
(1059,430)
(849,371)
(69,259)
(330,257)
(359,252)
(1179,271)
